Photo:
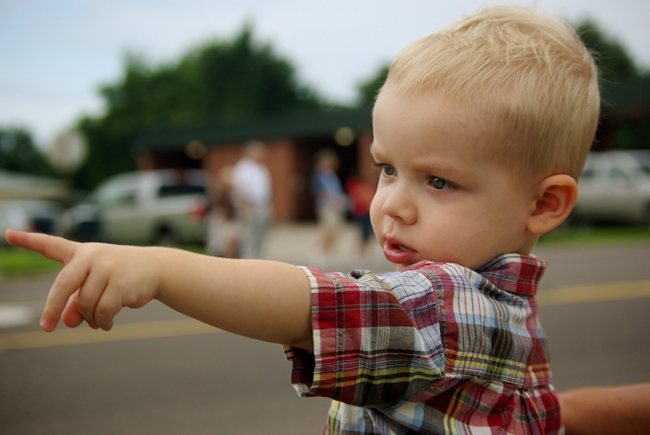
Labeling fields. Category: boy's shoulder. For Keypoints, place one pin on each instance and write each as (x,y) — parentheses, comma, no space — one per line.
(513,273)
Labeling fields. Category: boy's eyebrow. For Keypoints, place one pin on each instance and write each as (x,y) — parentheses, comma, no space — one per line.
(443,169)
(374,151)
(429,165)
(377,154)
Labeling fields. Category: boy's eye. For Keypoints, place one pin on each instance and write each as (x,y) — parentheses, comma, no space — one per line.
(388,170)
(440,183)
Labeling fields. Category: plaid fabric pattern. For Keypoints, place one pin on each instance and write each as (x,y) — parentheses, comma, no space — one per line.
(433,349)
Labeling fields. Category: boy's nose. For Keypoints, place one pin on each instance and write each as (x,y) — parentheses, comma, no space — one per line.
(400,206)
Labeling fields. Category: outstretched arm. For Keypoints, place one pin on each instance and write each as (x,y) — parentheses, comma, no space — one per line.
(607,410)
(260,299)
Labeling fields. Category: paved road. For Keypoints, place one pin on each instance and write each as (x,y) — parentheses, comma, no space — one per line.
(161,373)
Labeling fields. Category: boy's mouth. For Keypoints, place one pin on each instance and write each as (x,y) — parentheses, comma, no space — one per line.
(397,253)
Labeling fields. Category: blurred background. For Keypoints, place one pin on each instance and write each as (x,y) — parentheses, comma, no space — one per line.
(138,81)
(118,121)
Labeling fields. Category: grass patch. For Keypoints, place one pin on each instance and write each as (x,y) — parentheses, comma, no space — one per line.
(597,235)
(16,261)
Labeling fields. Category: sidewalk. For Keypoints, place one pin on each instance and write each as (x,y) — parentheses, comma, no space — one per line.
(296,244)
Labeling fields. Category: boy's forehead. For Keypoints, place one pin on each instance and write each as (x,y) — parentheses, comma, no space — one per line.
(432,119)
(417,109)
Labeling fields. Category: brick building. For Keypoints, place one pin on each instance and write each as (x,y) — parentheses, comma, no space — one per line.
(625,115)
(292,140)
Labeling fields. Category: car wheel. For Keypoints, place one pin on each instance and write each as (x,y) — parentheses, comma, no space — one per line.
(646,217)
(165,237)
(574,220)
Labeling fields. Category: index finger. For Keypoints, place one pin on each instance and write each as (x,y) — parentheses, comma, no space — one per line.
(54,248)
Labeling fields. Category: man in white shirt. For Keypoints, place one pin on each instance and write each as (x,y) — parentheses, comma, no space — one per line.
(252,199)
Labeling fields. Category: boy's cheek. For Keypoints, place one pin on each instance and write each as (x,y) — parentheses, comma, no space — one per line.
(377,229)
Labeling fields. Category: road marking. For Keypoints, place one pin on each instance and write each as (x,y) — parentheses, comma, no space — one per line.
(173,328)
(16,315)
(83,335)
(577,294)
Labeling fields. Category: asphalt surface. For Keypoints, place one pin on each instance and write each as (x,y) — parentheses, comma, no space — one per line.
(158,372)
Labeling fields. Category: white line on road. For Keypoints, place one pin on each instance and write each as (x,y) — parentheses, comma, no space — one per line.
(128,331)
(577,294)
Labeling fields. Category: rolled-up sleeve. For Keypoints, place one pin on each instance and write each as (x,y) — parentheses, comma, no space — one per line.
(377,338)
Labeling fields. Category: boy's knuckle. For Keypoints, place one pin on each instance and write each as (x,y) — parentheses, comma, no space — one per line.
(87,249)
(102,313)
(64,281)
(82,305)
(85,309)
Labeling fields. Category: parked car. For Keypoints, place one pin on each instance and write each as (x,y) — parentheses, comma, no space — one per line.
(614,188)
(29,215)
(162,207)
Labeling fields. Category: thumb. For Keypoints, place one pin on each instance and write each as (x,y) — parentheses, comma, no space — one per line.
(71,316)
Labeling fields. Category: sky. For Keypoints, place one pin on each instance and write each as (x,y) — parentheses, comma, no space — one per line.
(56,54)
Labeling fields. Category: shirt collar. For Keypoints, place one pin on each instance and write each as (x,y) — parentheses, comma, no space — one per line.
(515,273)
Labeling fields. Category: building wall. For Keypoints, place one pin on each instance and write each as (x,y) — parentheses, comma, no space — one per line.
(217,158)
(280,163)
(290,163)
(365,161)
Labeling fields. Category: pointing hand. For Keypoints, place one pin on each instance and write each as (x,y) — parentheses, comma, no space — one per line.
(96,281)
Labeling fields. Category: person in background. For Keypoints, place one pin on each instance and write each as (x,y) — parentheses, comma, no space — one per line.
(360,193)
(223,227)
(252,196)
(330,202)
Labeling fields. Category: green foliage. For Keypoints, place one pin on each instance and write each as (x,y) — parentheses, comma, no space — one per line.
(240,80)
(612,58)
(18,153)
(221,81)
(596,235)
(368,89)
(17,261)
(621,79)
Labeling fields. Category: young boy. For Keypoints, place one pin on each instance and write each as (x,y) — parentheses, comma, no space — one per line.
(480,133)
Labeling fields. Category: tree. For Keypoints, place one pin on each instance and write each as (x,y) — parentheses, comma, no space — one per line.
(222,81)
(241,80)
(18,153)
(367,90)
(612,58)
(621,80)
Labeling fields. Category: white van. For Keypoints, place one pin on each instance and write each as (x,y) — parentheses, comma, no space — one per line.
(162,207)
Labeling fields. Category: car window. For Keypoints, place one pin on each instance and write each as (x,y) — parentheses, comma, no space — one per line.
(116,190)
(588,174)
(618,176)
(119,197)
(643,159)
(171,190)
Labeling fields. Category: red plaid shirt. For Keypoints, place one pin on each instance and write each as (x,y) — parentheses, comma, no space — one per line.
(436,348)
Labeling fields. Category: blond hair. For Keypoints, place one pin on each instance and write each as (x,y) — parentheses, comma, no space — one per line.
(527,76)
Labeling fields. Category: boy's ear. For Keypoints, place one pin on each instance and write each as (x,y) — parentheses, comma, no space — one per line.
(556,195)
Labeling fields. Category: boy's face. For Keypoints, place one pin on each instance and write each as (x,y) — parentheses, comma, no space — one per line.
(442,194)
